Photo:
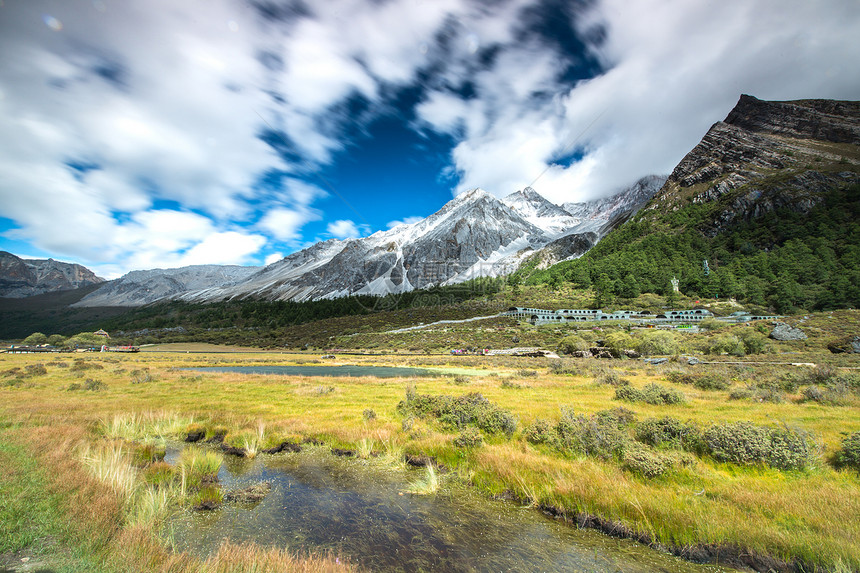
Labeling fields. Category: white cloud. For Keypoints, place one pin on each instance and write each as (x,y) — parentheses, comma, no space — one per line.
(673,69)
(274,258)
(404,221)
(227,248)
(345,229)
(159,104)
(285,224)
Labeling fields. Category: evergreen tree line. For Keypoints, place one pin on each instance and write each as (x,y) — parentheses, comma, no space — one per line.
(783,260)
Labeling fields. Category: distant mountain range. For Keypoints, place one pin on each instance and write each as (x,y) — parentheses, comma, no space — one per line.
(766,162)
(21,278)
(473,235)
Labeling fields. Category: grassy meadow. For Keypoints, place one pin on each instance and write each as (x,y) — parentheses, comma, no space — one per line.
(80,488)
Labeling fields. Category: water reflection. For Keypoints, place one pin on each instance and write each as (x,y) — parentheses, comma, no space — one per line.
(361,510)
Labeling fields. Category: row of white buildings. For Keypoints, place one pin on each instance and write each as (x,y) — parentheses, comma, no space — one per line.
(563,316)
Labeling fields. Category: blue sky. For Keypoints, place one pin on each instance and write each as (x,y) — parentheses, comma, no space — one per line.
(156,133)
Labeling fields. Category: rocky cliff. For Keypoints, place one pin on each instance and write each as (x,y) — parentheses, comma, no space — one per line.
(21,278)
(767,155)
(762,210)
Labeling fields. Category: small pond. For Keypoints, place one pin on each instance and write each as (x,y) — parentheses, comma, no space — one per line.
(361,509)
(345,370)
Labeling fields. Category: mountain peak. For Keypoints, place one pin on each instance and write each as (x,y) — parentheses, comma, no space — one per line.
(470,195)
(532,205)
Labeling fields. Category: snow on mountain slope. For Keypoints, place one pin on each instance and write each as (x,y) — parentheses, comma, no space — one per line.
(473,235)
(595,214)
(465,231)
(143,287)
(538,211)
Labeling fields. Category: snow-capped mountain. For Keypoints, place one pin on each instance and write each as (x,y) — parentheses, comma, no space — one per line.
(467,232)
(595,214)
(473,235)
(538,211)
(143,287)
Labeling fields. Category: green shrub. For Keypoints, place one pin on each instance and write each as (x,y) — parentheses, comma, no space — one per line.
(469,438)
(726,344)
(742,393)
(849,454)
(140,376)
(703,381)
(629,394)
(670,432)
(81,365)
(368,414)
(613,379)
(459,412)
(564,367)
(527,373)
(617,342)
(820,375)
(572,343)
(651,394)
(644,461)
(831,395)
(35,370)
(619,416)
(541,431)
(602,435)
(652,342)
(712,324)
(754,342)
(746,443)
(94,385)
(594,435)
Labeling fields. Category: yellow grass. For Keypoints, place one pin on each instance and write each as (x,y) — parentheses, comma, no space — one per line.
(809,515)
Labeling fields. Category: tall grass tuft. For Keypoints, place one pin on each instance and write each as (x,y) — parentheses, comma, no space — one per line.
(233,558)
(393,452)
(145,426)
(151,505)
(253,443)
(365,448)
(197,465)
(428,485)
(111,464)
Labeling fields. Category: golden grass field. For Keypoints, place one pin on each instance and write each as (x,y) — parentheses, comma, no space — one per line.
(53,505)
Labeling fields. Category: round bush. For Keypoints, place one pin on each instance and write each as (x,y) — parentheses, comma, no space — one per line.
(541,432)
(644,461)
(469,438)
(746,443)
(849,455)
(670,432)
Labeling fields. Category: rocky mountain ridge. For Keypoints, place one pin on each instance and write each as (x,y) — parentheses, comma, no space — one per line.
(473,235)
(767,155)
(763,209)
(21,278)
(143,287)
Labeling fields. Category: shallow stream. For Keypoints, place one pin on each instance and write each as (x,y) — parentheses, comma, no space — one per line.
(361,510)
